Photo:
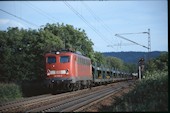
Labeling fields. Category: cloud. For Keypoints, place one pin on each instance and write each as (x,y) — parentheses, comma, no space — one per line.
(5,23)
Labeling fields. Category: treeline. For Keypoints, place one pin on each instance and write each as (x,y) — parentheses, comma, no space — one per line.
(113,62)
(158,64)
(22,50)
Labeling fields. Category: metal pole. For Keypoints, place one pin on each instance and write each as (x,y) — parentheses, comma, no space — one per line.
(139,72)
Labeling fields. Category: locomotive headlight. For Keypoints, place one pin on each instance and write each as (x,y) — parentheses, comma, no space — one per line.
(57,52)
(48,72)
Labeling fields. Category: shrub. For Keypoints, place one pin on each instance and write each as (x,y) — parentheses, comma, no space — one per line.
(9,92)
(151,94)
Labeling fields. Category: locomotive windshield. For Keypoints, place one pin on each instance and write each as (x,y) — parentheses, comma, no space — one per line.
(51,59)
(64,59)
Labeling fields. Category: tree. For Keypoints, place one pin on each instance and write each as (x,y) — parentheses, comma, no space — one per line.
(159,63)
(99,59)
(72,38)
(22,51)
(114,62)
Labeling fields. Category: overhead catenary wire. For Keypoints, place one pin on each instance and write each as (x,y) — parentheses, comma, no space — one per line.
(98,19)
(37,10)
(82,18)
(42,12)
(19,18)
(86,22)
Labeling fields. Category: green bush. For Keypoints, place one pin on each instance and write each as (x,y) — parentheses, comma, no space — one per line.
(9,92)
(151,94)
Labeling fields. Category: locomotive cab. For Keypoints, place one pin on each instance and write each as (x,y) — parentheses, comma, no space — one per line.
(58,68)
(67,70)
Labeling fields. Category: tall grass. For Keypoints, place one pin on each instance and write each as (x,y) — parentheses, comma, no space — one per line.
(9,92)
(151,94)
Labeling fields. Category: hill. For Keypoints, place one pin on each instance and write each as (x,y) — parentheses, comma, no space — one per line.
(133,57)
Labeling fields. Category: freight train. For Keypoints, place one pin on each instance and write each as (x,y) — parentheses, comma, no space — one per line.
(69,70)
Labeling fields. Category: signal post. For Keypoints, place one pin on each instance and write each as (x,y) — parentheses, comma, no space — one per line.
(141,68)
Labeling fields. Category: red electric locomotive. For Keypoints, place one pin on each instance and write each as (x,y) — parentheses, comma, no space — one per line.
(68,70)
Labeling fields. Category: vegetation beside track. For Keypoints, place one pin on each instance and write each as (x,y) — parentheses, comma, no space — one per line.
(151,94)
(9,92)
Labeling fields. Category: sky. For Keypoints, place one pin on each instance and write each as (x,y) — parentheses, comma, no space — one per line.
(101,20)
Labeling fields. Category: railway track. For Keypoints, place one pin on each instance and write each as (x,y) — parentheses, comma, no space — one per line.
(22,100)
(65,102)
